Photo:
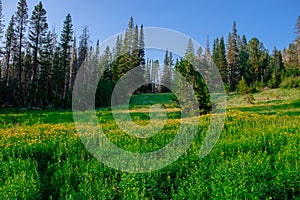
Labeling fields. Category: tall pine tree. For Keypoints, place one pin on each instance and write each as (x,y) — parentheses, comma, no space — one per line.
(222,62)
(233,58)
(10,48)
(37,35)
(65,45)
(21,20)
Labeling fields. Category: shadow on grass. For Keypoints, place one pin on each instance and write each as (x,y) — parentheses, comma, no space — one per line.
(36,117)
(287,108)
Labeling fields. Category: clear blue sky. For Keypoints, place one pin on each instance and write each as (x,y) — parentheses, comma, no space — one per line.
(272,21)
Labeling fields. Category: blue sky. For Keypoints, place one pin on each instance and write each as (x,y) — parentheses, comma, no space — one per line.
(273,22)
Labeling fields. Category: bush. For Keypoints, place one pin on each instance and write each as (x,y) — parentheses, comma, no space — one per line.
(246,91)
(243,87)
(292,82)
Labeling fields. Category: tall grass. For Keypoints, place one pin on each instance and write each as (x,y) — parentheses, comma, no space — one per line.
(256,157)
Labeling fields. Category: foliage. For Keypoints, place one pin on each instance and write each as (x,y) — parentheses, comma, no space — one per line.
(292,82)
(245,91)
(195,79)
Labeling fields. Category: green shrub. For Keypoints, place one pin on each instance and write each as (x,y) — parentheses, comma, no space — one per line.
(292,82)
(245,90)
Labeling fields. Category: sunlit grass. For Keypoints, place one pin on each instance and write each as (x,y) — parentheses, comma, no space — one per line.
(256,157)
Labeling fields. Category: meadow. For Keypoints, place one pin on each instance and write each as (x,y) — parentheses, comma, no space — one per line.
(256,157)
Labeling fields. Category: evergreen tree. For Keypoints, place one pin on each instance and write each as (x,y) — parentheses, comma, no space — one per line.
(243,56)
(257,62)
(37,34)
(135,60)
(142,47)
(128,39)
(166,79)
(206,63)
(233,58)
(65,45)
(148,87)
(105,85)
(290,60)
(190,52)
(27,74)
(141,55)
(83,45)
(118,53)
(244,90)
(276,69)
(9,62)
(57,81)
(207,54)
(1,27)
(199,59)
(10,48)
(154,75)
(222,64)
(186,69)
(215,52)
(46,75)
(21,19)
(74,64)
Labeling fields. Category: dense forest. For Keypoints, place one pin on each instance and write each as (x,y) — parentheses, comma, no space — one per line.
(39,66)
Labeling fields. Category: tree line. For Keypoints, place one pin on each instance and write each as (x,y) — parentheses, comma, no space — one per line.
(39,67)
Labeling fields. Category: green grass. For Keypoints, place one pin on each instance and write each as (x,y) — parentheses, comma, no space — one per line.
(256,157)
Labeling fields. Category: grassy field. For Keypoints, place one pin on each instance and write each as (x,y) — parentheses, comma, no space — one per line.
(256,157)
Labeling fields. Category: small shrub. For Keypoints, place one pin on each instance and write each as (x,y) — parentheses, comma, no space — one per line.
(246,91)
(292,82)
(243,87)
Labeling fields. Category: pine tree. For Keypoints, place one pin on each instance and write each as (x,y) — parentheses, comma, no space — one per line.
(97,52)
(57,81)
(105,85)
(128,39)
(74,64)
(143,89)
(65,45)
(46,74)
(243,57)
(290,60)
(83,45)
(37,34)
(21,19)
(199,59)
(215,52)
(233,58)
(276,69)
(1,48)
(1,28)
(10,47)
(118,47)
(118,53)
(147,77)
(258,60)
(154,73)
(27,74)
(166,79)
(207,54)
(186,69)
(142,47)
(222,64)
(190,52)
